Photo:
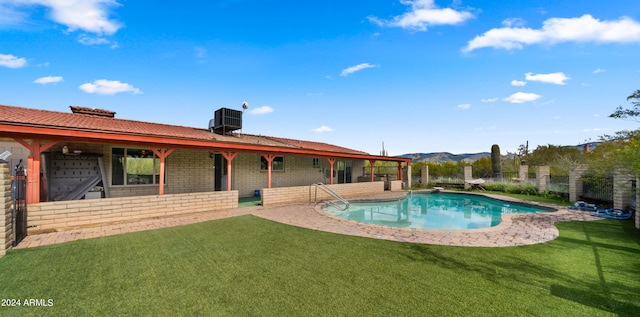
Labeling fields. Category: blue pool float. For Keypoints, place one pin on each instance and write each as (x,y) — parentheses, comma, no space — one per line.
(614,213)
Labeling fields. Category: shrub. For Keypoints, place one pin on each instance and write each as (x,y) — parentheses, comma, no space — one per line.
(521,188)
(495,186)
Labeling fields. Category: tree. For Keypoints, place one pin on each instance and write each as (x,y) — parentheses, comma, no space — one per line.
(482,168)
(495,161)
(558,158)
(633,113)
(630,155)
(621,150)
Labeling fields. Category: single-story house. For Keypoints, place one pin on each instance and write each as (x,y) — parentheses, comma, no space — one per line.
(89,153)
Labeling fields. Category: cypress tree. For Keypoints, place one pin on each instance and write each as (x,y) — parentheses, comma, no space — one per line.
(495,162)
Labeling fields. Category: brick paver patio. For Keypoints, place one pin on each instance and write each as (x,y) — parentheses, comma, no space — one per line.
(514,230)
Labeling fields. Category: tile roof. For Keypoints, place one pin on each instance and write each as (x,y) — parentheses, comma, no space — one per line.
(316,145)
(83,121)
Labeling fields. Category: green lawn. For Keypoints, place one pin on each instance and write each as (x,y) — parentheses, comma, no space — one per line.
(248,266)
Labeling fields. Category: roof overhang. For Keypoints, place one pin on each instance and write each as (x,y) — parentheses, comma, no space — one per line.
(23,131)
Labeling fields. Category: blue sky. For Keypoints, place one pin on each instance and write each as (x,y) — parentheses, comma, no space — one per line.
(420,76)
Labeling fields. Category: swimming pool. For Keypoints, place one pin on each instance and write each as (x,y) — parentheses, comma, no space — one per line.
(434,211)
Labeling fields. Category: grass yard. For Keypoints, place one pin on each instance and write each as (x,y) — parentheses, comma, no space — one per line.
(248,266)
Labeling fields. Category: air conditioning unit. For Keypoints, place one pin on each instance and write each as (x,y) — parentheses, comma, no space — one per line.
(225,121)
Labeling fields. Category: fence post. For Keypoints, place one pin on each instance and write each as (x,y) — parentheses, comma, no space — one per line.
(6,215)
(575,181)
(425,175)
(542,177)
(468,175)
(523,172)
(621,190)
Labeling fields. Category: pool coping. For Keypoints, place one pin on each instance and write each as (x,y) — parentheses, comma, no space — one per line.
(513,230)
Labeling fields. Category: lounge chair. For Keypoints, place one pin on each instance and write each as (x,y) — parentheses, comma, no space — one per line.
(581,205)
(614,213)
(475,184)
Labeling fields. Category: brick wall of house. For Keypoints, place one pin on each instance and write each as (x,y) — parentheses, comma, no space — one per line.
(187,171)
(298,171)
(18,152)
(306,194)
(60,215)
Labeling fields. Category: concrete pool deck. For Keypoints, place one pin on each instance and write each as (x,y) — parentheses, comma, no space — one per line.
(514,230)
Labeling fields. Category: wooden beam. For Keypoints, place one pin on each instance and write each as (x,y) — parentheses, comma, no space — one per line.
(105,137)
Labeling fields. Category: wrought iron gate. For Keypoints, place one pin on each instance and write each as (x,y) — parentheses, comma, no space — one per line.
(19,199)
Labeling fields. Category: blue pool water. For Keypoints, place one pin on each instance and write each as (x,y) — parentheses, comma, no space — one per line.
(434,211)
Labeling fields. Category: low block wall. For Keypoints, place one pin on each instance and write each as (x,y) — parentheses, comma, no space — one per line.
(61,215)
(395,185)
(300,194)
(6,215)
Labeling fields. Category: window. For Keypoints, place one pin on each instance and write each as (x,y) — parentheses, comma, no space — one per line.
(316,162)
(276,165)
(134,167)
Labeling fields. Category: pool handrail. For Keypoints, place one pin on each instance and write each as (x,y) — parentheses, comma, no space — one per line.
(330,192)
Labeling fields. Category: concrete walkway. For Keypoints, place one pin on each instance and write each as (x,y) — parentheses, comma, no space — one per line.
(514,230)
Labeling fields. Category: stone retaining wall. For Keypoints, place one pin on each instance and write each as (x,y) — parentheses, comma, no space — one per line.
(301,194)
(61,215)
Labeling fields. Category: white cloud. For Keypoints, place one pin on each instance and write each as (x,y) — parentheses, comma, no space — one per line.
(48,80)
(423,14)
(598,70)
(522,97)
(558,30)
(314,94)
(10,16)
(353,69)
(558,78)
(322,129)
(518,83)
(108,87)
(261,110)
(513,22)
(464,106)
(87,15)
(89,40)
(11,61)
(490,99)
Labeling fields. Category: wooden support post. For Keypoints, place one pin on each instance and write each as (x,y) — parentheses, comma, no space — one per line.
(372,163)
(229,156)
(331,162)
(162,153)
(269,158)
(399,171)
(33,167)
